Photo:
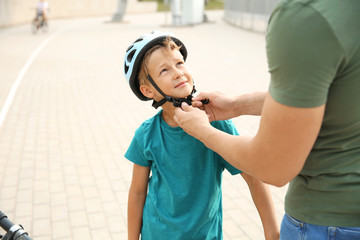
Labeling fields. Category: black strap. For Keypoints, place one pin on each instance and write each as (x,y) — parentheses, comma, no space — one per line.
(155,86)
(156,104)
(176,101)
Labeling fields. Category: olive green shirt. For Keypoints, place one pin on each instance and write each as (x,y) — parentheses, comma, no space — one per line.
(313,52)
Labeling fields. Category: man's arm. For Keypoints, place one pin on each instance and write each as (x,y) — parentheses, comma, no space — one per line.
(136,201)
(223,107)
(278,151)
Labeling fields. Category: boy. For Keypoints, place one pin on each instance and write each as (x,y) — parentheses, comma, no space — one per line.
(182,199)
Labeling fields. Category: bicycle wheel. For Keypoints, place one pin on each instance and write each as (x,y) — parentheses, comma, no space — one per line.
(44,26)
(34,26)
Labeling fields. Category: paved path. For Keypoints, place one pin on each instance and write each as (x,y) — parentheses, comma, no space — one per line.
(68,117)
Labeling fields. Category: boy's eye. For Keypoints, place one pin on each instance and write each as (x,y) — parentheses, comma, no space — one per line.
(164,70)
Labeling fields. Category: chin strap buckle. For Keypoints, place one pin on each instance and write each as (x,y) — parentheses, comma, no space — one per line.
(176,101)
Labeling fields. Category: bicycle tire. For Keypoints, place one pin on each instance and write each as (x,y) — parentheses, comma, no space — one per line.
(34,26)
(44,27)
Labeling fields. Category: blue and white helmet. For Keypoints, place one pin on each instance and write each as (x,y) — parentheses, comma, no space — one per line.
(135,54)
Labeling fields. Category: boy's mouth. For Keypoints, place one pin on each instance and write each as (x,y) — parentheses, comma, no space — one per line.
(181,84)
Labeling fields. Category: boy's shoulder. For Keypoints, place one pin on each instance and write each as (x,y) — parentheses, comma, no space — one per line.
(226,126)
(223,124)
(148,125)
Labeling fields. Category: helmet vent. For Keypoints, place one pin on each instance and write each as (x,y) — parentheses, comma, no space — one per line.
(129,48)
(131,55)
(140,39)
(126,68)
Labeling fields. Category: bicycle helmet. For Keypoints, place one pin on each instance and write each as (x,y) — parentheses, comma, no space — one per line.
(135,54)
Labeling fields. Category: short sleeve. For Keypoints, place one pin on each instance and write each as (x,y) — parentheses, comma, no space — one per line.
(135,152)
(303,55)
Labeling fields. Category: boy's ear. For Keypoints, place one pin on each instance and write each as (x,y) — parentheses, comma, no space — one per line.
(146,91)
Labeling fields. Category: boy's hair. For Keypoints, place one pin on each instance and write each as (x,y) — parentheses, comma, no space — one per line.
(168,44)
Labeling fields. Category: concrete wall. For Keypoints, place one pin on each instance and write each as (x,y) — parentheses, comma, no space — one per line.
(13,12)
(249,14)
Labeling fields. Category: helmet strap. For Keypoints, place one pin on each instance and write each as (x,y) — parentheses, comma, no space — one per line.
(176,101)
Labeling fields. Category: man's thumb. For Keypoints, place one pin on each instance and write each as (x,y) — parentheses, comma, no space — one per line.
(200,96)
(185,106)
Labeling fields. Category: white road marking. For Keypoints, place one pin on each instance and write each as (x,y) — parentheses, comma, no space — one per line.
(22,73)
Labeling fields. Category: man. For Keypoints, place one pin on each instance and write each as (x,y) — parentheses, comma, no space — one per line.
(309,132)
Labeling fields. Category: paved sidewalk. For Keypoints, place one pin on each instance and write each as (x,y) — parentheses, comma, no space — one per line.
(62,141)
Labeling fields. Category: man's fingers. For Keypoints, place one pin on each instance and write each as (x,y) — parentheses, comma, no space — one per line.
(178,112)
(200,96)
(185,107)
(196,104)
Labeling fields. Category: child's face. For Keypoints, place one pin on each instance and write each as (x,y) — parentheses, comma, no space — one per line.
(168,70)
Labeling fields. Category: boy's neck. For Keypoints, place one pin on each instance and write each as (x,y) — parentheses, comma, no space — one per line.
(168,114)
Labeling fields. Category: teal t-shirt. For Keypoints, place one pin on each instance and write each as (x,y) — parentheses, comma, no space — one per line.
(313,49)
(184,199)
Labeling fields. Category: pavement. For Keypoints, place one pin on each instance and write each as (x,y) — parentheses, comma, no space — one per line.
(68,116)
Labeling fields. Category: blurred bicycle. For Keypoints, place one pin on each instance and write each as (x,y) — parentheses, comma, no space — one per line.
(13,231)
(40,22)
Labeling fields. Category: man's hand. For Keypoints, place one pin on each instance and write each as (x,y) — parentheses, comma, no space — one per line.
(220,106)
(193,120)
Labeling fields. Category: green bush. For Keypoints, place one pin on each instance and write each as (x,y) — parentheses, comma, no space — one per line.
(211,4)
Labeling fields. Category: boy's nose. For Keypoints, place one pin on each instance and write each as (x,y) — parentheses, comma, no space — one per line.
(178,73)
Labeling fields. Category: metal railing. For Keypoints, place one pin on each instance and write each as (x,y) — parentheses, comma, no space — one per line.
(249,14)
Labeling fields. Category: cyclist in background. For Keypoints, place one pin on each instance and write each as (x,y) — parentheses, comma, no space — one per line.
(42,8)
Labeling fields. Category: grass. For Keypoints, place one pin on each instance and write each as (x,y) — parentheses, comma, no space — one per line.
(211,5)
